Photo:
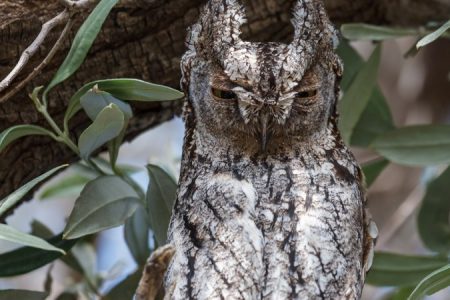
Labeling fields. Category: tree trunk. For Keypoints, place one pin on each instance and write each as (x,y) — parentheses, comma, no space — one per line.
(142,39)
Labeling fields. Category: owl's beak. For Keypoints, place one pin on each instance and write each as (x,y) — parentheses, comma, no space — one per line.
(264,132)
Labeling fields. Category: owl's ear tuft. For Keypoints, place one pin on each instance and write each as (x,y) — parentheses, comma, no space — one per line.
(218,29)
(314,34)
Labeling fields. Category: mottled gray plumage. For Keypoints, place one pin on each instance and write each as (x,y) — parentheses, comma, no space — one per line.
(270,202)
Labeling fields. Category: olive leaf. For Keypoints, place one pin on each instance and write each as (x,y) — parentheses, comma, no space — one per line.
(105,202)
(16,196)
(419,145)
(161,196)
(434,35)
(358,95)
(368,32)
(82,43)
(13,235)
(16,132)
(108,124)
(390,269)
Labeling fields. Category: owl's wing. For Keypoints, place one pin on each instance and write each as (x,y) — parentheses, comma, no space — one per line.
(370,237)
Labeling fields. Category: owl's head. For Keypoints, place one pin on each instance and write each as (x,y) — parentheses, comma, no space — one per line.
(261,92)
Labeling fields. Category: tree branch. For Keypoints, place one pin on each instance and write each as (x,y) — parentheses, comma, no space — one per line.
(42,65)
(142,39)
(31,50)
(66,15)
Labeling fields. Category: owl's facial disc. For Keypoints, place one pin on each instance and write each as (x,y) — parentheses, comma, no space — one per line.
(268,108)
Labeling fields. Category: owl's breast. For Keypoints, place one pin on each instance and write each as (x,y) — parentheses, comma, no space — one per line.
(312,221)
(275,230)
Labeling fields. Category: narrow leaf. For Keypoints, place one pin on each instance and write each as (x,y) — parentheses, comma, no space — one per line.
(105,202)
(114,146)
(358,95)
(108,125)
(84,253)
(436,281)
(126,288)
(82,42)
(67,295)
(391,269)
(10,234)
(433,218)
(16,196)
(161,196)
(26,259)
(376,118)
(22,294)
(128,89)
(353,62)
(374,121)
(41,230)
(136,232)
(70,185)
(401,293)
(94,101)
(433,36)
(415,145)
(48,280)
(373,169)
(16,132)
(367,32)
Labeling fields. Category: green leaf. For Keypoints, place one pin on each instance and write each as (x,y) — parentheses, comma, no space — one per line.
(367,32)
(41,230)
(126,288)
(69,185)
(433,36)
(26,259)
(376,118)
(358,95)
(353,62)
(436,281)
(161,196)
(105,202)
(10,234)
(136,231)
(433,218)
(94,101)
(82,42)
(415,145)
(84,254)
(16,132)
(67,295)
(48,280)
(108,125)
(128,89)
(106,166)
(391,269)
(22,294)
(400,294)
(373,169)
(374,121)
(114,146)
(16,196)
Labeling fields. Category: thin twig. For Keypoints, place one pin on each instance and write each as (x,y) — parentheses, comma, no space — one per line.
(31,50)
(77,4)
(401,214)
(64,16)
(46,60)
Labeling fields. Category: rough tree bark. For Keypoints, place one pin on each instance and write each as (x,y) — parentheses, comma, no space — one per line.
(142,39)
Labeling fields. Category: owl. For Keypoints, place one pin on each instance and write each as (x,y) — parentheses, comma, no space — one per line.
(271,203)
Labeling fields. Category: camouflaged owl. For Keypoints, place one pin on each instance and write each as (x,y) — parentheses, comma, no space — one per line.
(271,203)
